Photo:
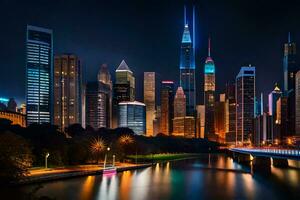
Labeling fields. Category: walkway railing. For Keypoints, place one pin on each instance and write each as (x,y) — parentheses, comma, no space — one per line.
(282,152)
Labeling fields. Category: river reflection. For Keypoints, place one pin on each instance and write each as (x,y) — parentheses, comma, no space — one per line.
(209,177)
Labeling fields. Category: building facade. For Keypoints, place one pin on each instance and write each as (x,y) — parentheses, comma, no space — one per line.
(245,100)
(39,75)
(149,100)
(231,103)
(297,92)
(133,115)
(167,107)
(14,117)
(67,90)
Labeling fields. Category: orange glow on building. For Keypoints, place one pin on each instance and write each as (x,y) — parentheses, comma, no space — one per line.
(16,118)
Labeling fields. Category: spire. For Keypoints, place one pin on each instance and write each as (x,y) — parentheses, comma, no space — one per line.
(289,37)
(186,37)
(123,67)
(208,46)
(194,40)
(184,13)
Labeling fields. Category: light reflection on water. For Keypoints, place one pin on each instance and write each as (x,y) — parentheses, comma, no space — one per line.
(187,179)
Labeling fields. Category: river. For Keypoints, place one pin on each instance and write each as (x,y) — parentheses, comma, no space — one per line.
(208,177)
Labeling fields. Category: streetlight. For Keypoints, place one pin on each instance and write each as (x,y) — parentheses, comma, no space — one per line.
(46,158)
(104,164)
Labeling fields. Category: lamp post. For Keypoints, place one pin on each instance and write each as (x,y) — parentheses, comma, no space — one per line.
(46,159)
(108,149)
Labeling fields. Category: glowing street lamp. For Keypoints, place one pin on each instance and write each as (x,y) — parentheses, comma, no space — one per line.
(46,159)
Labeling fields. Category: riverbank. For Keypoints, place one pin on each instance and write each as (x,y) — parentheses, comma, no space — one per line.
(44,175)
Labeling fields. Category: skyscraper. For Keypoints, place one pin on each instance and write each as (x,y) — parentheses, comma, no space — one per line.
(231,103)
(123,89)
(149,100)
(220,118)
(179,103)
(209,95)
(297,88)
(39,75)
(67,90)
(105,95)
(167,107)
(187,67)
(272,105)
(133,115)
(91,104)
(245,95)
(290,69)
(12,105)
(200,123)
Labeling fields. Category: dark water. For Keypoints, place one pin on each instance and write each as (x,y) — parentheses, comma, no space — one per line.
(210,177)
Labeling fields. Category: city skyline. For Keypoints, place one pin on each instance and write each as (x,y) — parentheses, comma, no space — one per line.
(140,61)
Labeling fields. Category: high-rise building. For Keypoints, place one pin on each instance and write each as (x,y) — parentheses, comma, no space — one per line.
(133,115)
(220,118)
(123,89)
(150,82)
(231,103)
(297,92)
(39,71)
(290,69)
(209,96)
(261,129)
(105,96)
(187,67)
(167,107)
(245,95)
(200,123)
(179,103)
(12,105)
(184,127)
(272,112)
(67,90)
(91,104)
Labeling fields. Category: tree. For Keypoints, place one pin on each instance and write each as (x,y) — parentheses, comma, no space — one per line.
(15,157)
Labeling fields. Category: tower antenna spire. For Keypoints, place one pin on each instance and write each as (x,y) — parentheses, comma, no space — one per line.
(209,46)
(194,29)
(289,37)
(184,13)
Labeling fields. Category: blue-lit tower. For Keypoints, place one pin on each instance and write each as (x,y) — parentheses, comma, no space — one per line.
(39,73)
(209,96)
(187,66)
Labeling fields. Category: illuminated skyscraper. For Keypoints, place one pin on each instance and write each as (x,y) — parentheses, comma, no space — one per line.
(123,89)
(67,90)
(167,107)
(105,96)
(290,68)
(150,82)
(297,88)
(133,115)
(179,103)
(187,67)
(39,75)
(245,93)
(209,95)
(200,123)
(220,118)
(272,105)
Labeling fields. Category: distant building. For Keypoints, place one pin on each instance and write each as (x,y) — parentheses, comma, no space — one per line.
(150,82)
(200,121)
(231,106)
(262,127)
(67,90)
(133,115)
(123,89)
(39,79)
(167,107)
(16,118)
(245,95)
(184,127)
(297,88)
(220,118)
(105,97)
(272,105)
(209,96)
(22,109)
(179,103)
(12,105)
(290,68)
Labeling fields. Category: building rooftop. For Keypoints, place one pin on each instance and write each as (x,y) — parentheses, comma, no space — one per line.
(123,67)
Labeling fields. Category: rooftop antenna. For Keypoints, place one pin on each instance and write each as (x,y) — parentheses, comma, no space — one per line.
(194,40)
(208,46)
(184,12)
(289,37)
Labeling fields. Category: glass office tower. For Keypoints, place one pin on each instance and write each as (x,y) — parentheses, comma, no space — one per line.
(39,72)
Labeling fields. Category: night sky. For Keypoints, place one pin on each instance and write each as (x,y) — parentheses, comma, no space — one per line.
(147,35)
